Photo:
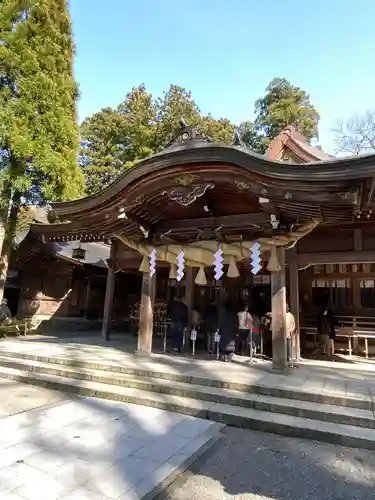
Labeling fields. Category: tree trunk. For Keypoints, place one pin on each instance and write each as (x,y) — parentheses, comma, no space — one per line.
(2,232)
(7,243)
(7,195)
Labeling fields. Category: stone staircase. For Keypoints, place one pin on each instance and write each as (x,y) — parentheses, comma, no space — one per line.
(325,417)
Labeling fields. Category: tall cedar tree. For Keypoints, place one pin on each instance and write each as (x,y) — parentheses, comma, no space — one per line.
(285,104)
(113,140)
(39,137)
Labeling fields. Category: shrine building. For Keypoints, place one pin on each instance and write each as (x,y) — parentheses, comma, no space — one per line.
(312,215)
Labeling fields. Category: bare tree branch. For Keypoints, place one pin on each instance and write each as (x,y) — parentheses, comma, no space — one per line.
(357,135)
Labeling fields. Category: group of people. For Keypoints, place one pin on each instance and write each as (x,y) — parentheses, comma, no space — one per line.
(235,328)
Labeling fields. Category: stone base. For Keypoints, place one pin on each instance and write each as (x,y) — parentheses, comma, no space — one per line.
(143,353)
(281,369)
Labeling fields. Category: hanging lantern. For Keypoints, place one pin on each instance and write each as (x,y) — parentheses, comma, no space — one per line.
(152,262)
(218,262)
(255,258)
(180,265)
(79,253)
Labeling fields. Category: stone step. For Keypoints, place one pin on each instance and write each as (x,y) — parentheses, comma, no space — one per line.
(360,402)
(324,412)
(286,425)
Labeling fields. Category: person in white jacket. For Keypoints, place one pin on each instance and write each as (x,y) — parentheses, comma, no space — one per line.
(290,327)
(245,323)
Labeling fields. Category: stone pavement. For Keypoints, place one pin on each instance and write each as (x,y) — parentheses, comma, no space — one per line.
(346,379)
(17,398)
(84,448)
(252,465)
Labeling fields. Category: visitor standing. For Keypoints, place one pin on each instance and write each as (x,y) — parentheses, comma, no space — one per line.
(290,327)
(256,332)
(266,323)
(211,325)
(245,324)
(326,323)
(179,314)
(228,332)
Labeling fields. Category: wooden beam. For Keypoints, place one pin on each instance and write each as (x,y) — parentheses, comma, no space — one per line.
(124,253)
(226,221)
(269,206)
(278,305)
(305,259)
(146,315)
(134,219)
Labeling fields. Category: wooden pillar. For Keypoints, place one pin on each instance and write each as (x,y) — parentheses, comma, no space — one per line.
(278,303)
(87,297)
(294,296)
(146,315)
(189,291)
(109,291)
(358,240)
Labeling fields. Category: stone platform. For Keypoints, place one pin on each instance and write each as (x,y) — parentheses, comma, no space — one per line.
(347,378)
(327,401)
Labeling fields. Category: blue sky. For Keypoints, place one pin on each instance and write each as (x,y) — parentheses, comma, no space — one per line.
(226,52)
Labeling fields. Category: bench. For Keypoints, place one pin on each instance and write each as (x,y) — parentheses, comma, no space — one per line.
(18,327)
(353,328)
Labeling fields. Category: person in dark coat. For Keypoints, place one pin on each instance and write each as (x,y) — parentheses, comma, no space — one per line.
(228,332)
(211,325)
(267,335)
(326,328)
(179,314)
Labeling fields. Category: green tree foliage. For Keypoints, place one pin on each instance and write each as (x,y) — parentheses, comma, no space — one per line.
(113,140)
(221,131)
(285,104)
(39,137)
(251,138)
(140,117)
(175,103)
(103,148)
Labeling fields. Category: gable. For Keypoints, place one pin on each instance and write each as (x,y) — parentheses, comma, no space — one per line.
(291,146)
(285,154)
(288,156)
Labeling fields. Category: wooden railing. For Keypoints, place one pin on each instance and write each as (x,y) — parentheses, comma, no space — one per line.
(351,328)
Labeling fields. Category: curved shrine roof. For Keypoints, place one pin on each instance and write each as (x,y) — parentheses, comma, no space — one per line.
(224,181)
